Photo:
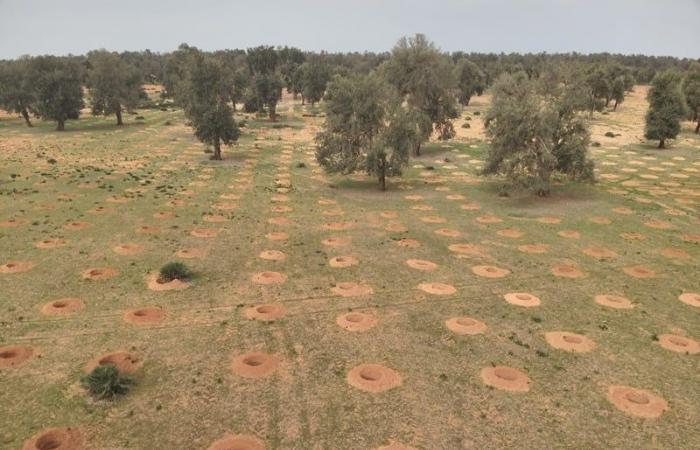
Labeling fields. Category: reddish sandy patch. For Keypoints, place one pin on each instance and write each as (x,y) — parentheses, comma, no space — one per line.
(690,298)
(421,264)
(277,236)
(147,229)
(674,253)
(467,249)
(145,316)
(280,209)
(549,220)
(522,299)
(155,284)
(99,210)
(281,221)
(490,271)
(437,288)
(124,361)
(224,206)
(279,198)
(506,379)
(161,215)
(534,248)
(63,438)
(433,219)
(408,242)
(447,232)
(510,233)
(465,326)
(470,206)
(76,226)
(422,208)
(351,289)
(337,241)
(62,306)
(567,270)
(268,278)
(632,236)
(356,321)
(255,365)
(337,226)
(570,342)
(16,267)
(12,223)
(127,249)
(613,301)
(12,356)
(98,273)
(599,220)
(623,211)
(272,255)
(414,198)
(389,214)
(237,442)
(205,233)
(50,243)
(373,378)
(679,344)
(639,272)
(489,219)
(191,253)
(265,313)
(342,261)
(396,228)
(659,224)
(569,234)
(637,402)
(214,218)
(326,201)
(693,238)
(599,252)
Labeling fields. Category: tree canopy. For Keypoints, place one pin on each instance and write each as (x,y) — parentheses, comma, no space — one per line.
(114,84)
(691,89)
(666,108)
(16,93)
(57,83)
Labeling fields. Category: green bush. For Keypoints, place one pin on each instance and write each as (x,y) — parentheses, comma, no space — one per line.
(466,125)
(105,382)
(174,271)
(610,134)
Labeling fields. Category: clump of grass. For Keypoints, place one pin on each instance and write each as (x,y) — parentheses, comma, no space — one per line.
(301,165)
(105,382)
(466,125)
(595,144)
(174,271)
(609,134)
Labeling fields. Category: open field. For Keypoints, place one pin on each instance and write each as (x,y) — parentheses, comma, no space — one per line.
(260,228)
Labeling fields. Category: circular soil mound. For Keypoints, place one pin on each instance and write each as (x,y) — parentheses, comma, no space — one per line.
(163,215)
(214,218)
(124,362)
(147,229)
(466,249)
(155,284)
(510,233)
(613,301)
(336,241)
(659,224)
(16,267)
(272,255)
(632,236)
(522,299)
(337,226)
(204,233)
(55,439)
(50,243)
(12,223)
(600,220)
(237,442)
(433,219)
(465,326)
(75,226)
(599,252)
(12,356)
(421,264)
(447,232)
(342,261)
(470,206)
(145,316)
(693,238)
(490,271)
(570,342)
(277,236)
(351,289)
(674,253)
(283,221)
(437,288)
(679,344)
(690,298)
(569,234)
(639,272)
(373,378)
(533,248)
(637,402)
(254,365)
(98,273)
(127,249)
(396,228)
(505,378)
(280,209)
(567,271)
(489,219)
(356,321)
(268,278)
(191,253)
(623,211)
(264,313)
(409,243)
(62,306)
(549,220)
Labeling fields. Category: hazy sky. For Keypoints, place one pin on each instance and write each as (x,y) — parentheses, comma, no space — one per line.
(658,27)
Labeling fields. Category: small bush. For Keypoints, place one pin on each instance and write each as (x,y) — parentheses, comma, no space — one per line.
(477,113)
(468,118)
(174,271)
(610,134)
(105,382)
(140,118)
(242,124)
(167,123)
(595,144)
(301,165)
(466,125)
(51,161)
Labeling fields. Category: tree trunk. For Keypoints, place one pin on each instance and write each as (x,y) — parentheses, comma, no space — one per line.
(272,108)
(607,101)
(302,99)
(662,143)
(695,115)
(417,151)
(697,129)
(61,125)
(119,117)
(25,114)
(217,150)
(234,105)
(615,107)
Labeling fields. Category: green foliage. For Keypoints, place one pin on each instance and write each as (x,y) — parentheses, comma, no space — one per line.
(470,81)
(58,88)
(266,87)
(16,94)
(314,78)
(105,382)
(618,91)
(691,89)
(666,108)
(114,84)
(366,128)
(174,271)
(534,136)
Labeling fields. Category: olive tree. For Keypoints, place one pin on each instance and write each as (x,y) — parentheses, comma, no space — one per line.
(470,81)
(58,88)
(266,84)
(366,129)
(691,89)
(666,108)
(533,136)
(16,93)
(114,84)
(314,78)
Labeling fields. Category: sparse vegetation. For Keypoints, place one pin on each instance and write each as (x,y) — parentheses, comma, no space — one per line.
(105,382)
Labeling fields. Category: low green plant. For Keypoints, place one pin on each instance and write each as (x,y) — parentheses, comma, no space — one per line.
(174,271)
(105,382)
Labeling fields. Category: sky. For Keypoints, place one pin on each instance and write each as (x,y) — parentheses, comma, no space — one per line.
(652,27)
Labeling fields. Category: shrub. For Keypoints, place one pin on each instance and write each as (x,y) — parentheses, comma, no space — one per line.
(105,382)
(477,113)
(595,144)
(466,125)
(174,271)
(610,134)
(242,124)
(140,118)
(301,165)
